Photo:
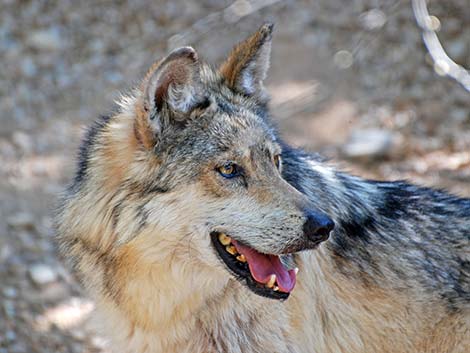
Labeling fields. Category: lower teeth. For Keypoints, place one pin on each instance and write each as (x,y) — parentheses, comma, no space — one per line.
(241,258)
(272,281)
(231,250)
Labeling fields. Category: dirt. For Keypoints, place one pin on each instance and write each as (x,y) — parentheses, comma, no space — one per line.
(342,73)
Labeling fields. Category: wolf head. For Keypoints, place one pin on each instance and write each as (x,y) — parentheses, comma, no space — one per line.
(191,168)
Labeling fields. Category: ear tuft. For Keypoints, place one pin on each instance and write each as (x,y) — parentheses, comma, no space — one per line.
(170,90)
(173,82)
(247,65)
(266,30)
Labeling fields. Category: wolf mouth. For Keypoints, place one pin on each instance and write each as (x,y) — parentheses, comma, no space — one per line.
(264,274)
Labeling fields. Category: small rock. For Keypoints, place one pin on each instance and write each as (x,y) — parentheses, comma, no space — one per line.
(54,292)
(10,292)
(23,141)
(21,220)
(373,19)
(9,309)
(343,59)
(10,335)
(28,67)
(45,39)
(27,239)
(78,335)
(460,115)
(42,274)
(6,249)
(368,143)
(98,342)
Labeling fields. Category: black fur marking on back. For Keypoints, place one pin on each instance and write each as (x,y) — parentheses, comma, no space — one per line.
(391,234)
(359,228)
(393,206)
(291,162)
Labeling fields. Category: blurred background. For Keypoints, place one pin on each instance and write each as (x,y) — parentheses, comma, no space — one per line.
(352,79)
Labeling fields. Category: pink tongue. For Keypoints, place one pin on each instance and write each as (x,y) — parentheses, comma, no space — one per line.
(263,266)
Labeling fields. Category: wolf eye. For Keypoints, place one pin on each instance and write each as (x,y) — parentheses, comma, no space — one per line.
(228,170)
(277,161)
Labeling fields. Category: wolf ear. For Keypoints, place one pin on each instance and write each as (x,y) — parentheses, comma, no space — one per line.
(247,65)
(171,89)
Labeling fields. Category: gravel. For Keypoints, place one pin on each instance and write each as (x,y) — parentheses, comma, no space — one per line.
(42,274)
(22,220)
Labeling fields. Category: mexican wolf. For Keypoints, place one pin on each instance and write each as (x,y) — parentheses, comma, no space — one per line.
(196,229)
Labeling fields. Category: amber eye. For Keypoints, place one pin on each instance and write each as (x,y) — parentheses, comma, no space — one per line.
(277,161)
(228,170)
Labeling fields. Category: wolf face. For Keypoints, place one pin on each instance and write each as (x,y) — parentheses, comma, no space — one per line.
(220,162)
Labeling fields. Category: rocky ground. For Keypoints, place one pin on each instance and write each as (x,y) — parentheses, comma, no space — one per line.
(350,79)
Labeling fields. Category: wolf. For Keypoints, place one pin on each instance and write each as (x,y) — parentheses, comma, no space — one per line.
(196,228)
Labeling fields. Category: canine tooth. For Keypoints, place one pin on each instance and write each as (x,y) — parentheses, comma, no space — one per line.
(276,288)
(296,270)
(224,239)
(271,281)
(241,258)
(231,250)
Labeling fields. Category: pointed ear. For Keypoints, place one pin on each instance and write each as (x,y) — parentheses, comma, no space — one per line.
(170,91)
(246,67)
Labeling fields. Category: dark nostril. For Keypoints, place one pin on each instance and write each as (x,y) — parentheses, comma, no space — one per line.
(317,226)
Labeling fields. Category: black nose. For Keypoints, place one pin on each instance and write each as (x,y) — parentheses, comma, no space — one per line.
(318,226)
